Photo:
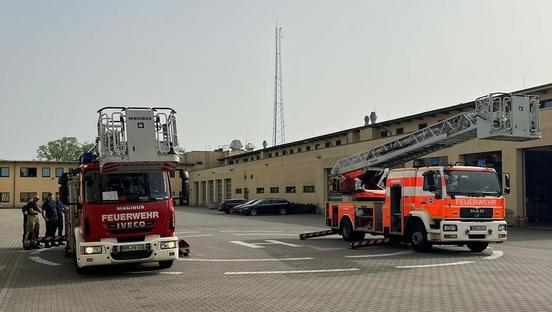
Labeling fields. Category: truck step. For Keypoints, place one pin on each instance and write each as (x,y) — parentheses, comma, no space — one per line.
(369,242)
(317,234)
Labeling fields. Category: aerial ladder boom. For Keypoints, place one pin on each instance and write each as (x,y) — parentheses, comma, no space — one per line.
(498,116)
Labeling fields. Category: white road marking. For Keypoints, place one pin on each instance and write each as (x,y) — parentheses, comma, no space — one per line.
(199,235)
(188,232)
(170,273)
(247,260)
(43,261)
(380,255)
(246,244)
(238,231)
(292,272)
(495,255)
(432,265)
(261,234)
(282,243)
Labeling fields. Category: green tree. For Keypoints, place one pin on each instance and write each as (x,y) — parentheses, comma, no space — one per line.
(64,149)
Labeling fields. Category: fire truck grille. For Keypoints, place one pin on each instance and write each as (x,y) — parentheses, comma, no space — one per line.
(131,231)
(476,213)
(132,255)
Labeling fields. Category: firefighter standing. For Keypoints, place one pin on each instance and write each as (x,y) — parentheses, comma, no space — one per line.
(33,224)
(61,211)
(49,212)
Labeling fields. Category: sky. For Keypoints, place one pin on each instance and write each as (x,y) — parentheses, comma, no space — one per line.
(213,62)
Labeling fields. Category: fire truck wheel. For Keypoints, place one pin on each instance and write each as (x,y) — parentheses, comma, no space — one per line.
(348,233)
(166,264)
(477,246)
(418,238)
(253,212)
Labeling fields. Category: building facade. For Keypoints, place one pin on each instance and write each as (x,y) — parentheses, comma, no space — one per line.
(299,171)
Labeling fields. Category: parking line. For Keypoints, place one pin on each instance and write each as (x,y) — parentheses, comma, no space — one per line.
(199,235)
(247,260)
(282,243)
(495,255)
(432,265)
(381,255)
(246,244)
(238,231)
(292,272)
(260,234)
(37,259)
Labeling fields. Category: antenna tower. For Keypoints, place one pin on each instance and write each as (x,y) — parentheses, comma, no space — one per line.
(278,125)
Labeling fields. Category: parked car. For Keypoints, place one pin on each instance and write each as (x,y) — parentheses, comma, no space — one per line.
(276,206)
(236,209)
(228,204)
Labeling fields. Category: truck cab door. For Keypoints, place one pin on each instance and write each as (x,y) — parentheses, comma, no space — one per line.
(432,193)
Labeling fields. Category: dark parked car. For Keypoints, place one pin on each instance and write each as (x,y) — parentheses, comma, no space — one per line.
(228,204)
(276,206)
(236,209)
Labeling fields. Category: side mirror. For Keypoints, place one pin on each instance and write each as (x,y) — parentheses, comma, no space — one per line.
(506,183)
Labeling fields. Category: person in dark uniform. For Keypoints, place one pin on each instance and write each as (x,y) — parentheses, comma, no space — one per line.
(61,211)
(49,212)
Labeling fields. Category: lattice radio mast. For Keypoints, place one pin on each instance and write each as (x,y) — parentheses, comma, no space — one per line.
(278,129)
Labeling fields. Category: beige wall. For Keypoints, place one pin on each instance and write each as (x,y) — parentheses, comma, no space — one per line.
(15,184)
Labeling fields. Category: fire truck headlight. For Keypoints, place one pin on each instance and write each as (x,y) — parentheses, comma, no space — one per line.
(502,227)
(168,245)
(450,228)
(90,250)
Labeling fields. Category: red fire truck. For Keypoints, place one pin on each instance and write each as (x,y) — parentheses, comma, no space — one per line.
(120,199)
(427,205)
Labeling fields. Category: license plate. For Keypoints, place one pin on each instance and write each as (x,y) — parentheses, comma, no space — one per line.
(126,248)
(478,228)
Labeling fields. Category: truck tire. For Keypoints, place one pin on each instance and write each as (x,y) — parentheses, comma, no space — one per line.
(166,264)
(418,238)
(348,233)
(477,246)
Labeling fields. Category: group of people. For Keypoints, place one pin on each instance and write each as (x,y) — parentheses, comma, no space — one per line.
(52,212)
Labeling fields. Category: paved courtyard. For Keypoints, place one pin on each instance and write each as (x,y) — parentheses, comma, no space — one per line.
(241,263)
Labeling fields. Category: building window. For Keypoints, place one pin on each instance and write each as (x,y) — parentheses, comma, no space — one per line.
(284,152)
(422,125)
(59,172)
(299,149)
(269,155)
(291,151)
(308,189)
(238,191)
(260,190)
(26,196)
(45,195)
(258,157)
(199,163)
(327,144)
(316,146)
(4,172)
(399,131)
(4,197)
(228,188)
(45,172)
(338,142)
(308,148)
(274,190)
(546,104)
(276,154)
(27,172)
(291,189)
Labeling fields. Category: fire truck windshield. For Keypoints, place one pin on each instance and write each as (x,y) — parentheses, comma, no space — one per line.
(472,183)
(126,187)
